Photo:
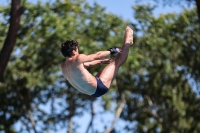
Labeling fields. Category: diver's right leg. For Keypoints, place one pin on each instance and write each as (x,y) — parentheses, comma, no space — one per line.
(109,72)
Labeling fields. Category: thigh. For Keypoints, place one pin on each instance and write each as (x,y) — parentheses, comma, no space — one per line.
(108,74)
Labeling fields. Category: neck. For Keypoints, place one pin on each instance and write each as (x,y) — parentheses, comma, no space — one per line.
(72,57)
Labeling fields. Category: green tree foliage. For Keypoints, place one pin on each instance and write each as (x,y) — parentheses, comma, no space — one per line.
(158,85)
(195,3)
(33,91)
(163,87)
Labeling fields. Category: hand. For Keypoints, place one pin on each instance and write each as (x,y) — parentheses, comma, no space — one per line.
(119,50)
(114,50)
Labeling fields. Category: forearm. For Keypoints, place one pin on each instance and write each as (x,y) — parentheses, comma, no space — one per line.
(92,63)
(102,54)
(97,56)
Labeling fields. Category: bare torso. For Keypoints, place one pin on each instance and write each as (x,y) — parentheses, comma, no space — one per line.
(79,77)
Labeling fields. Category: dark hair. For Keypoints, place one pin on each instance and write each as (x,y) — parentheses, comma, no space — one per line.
(67,47)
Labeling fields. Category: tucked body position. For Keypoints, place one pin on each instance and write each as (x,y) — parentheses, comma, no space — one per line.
(74,69)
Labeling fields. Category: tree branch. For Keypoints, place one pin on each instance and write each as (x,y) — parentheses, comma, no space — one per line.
(118,113)
(16,11)
(92,117)
(70,125)
(198,9)
(32,120)
(152,111)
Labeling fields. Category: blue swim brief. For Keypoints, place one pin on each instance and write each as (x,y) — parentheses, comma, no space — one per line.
(101,88)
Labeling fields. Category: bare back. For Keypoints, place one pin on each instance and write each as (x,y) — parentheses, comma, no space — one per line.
(79,77)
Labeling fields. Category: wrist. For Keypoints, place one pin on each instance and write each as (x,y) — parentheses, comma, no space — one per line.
(113,50)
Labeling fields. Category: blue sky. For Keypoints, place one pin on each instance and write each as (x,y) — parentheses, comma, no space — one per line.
(124,9)
(121,8)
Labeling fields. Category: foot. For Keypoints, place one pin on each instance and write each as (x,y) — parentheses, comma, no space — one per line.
(128,37)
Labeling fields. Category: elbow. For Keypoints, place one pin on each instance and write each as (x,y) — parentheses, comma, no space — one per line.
(86,65)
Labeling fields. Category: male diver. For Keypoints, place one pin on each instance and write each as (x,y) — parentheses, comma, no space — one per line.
(74,67)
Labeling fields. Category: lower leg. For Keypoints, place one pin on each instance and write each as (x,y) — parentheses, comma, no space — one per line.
(121,57)
(110,71)
(128,41)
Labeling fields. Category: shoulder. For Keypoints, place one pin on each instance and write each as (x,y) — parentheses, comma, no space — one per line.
(81,57)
